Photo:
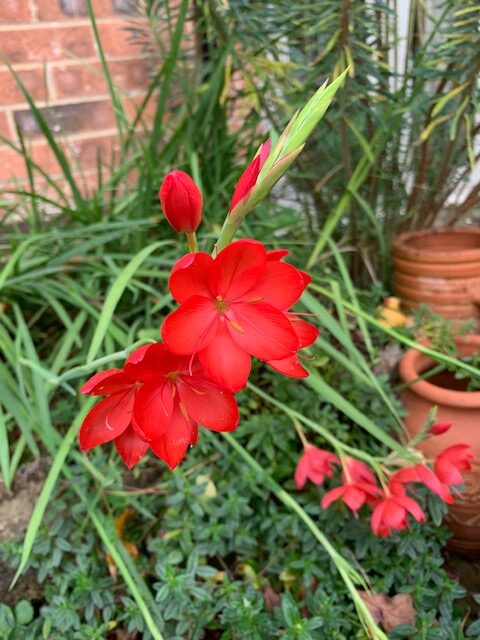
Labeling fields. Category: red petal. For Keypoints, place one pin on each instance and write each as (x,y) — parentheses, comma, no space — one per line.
(301,471)
(153,409)
(156,363)
(332,496)
(190,276)
(280,285)
(393,514)
(130,447)
(225,362)
(353,497)
(237,268)
(137,356)
(192,327)
(173,443)
(377,519)
(306,333)
(262,330)
(358,471)
(194,434)
(412,507)
(105,383)
(290,367)
(98,426)
(245,183)
(208,404)
(277,254)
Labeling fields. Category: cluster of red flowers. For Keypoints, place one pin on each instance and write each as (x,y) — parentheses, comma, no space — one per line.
(390,503)
(231,307)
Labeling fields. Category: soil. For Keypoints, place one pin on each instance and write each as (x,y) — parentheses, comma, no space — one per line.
(16,507)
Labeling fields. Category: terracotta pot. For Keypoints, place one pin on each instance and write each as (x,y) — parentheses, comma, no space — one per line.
(441,268)
(462,408)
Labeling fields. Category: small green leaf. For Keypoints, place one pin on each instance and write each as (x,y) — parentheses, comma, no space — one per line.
(24,612)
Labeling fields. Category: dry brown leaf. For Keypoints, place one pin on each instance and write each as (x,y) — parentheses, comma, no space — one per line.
(270,597)
(390,612)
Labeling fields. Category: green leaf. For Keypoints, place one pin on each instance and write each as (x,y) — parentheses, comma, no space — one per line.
(116,291)
(24,612)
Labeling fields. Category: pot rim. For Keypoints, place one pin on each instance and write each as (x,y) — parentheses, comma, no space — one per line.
(402,248)
(414,362)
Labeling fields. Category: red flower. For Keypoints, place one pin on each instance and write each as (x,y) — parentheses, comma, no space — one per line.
(439,428)
(421,473)
(392,512)
(452,462)
(357,471)
(172,402)
(181,201)
(359,486)
(353,494)
(314,465)
(111,418)
(249,177)
(233,307)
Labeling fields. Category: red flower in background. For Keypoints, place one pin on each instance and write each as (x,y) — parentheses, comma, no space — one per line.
(421,473)
(392,512)
(359,486)
(234,307)
(249,177)
(452,462)
(353,494)
(181,201)
(171,403)
(439,428)
(314,465)
(111,418)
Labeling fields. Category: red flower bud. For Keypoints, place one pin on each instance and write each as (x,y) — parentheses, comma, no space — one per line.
(181,201)
(440,427)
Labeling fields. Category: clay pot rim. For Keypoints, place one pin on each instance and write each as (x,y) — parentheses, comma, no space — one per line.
(414,362)
(402,250)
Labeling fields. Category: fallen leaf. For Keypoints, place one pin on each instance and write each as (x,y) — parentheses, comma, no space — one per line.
(270,597)
(120,522)
(390,612)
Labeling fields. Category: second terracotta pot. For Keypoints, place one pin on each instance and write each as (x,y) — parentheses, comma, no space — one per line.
(440,268)
(460,406)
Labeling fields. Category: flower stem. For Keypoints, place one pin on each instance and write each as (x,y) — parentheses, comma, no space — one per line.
(192,241)
(339,446)
(227,233)
(300,432)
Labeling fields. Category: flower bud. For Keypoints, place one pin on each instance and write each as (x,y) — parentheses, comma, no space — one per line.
(181,201)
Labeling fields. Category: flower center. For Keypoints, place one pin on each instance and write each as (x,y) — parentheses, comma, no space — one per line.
(221,305)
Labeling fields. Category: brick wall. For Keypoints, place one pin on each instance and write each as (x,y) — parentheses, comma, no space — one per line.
(51,46)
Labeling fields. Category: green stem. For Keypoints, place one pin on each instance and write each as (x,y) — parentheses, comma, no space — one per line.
(227,233)
(346,571)
(192,242)
(338,445)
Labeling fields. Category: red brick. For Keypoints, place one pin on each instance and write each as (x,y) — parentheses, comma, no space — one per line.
(116,38)
(87,151)
(33,79)
(4,126)
(55,10)
(12,165)
(41,44)
(68,118)
(15,11)
(82,80)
